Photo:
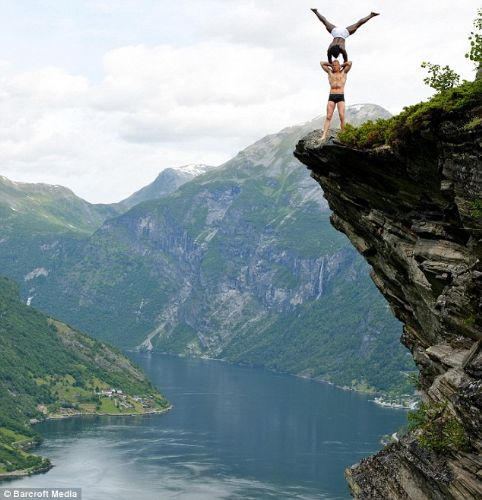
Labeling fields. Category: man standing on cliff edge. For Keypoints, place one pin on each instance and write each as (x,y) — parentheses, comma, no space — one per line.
(337,78)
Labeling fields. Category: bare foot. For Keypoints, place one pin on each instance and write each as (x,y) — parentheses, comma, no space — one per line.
(373,14)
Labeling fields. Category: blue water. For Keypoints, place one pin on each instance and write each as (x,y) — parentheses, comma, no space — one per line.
(234,433)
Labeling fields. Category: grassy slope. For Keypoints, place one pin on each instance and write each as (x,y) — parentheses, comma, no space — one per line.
(38,222)
(47,368)
(44,209)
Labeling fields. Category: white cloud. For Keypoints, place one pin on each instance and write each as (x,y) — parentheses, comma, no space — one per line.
(154,108)
(232,75)
(47,86)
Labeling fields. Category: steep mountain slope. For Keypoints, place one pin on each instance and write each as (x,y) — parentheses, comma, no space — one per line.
(38,220)
(165,183)
(413,208)
(240,263)
(47,368)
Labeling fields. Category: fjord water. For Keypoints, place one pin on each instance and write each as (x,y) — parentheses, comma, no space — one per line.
(234,433)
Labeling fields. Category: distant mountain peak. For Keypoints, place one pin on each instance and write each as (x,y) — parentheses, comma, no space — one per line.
(47,208)
(166,182)
(28,187)
(192,168)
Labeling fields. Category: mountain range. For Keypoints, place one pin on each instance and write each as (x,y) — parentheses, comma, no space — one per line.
(237,262)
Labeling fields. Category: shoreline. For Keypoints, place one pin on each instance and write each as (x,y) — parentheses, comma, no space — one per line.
(99,414)
(47,464)
(15,474)
(378,395)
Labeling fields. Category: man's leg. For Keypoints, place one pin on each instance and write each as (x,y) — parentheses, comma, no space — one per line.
(325,21)
(353,27)
(330,108)
(341,113)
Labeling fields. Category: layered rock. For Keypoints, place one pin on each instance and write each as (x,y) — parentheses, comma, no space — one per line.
(414,212)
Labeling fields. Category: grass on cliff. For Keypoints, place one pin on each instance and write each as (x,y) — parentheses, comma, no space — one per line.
(417,117)
(437,429)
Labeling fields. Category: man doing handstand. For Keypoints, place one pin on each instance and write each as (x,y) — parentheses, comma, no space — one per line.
(337,78)
(340,34)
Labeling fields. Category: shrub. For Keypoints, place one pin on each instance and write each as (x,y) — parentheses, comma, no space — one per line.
(476,208)
(414,380)
(437,428)
(370,135)
(417,117)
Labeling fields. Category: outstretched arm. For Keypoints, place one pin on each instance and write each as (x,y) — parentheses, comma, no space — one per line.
(325,66)
(344,54)
(323,19)
(347,66)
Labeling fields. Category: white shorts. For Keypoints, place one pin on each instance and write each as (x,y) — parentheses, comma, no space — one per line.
(340,32)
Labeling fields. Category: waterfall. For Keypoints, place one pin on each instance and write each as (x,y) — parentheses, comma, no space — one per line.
(320,279)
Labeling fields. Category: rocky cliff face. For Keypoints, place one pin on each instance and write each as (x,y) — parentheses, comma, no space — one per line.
(414,211)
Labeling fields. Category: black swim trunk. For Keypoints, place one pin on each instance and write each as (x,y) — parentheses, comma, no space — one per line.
(337,98)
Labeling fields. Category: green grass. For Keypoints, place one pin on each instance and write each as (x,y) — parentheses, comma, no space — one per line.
(415,118)
(476,208)
(12,455)
(474,122)
(13,459)
(108,406)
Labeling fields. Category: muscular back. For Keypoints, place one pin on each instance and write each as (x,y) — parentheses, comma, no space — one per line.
(338,41)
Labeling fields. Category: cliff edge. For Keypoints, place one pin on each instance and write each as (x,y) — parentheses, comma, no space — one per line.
(412,206)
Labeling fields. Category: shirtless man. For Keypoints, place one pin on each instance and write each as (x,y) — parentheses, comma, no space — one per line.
(340,34)
(337,78)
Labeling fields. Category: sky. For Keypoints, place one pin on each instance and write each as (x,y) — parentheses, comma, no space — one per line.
(101,95)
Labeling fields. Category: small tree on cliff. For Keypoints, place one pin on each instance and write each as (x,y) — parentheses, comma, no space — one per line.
(445,78)
(475,39)
(440,78)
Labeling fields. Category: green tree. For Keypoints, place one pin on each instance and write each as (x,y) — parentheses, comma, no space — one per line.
(475,39)
(440,78)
